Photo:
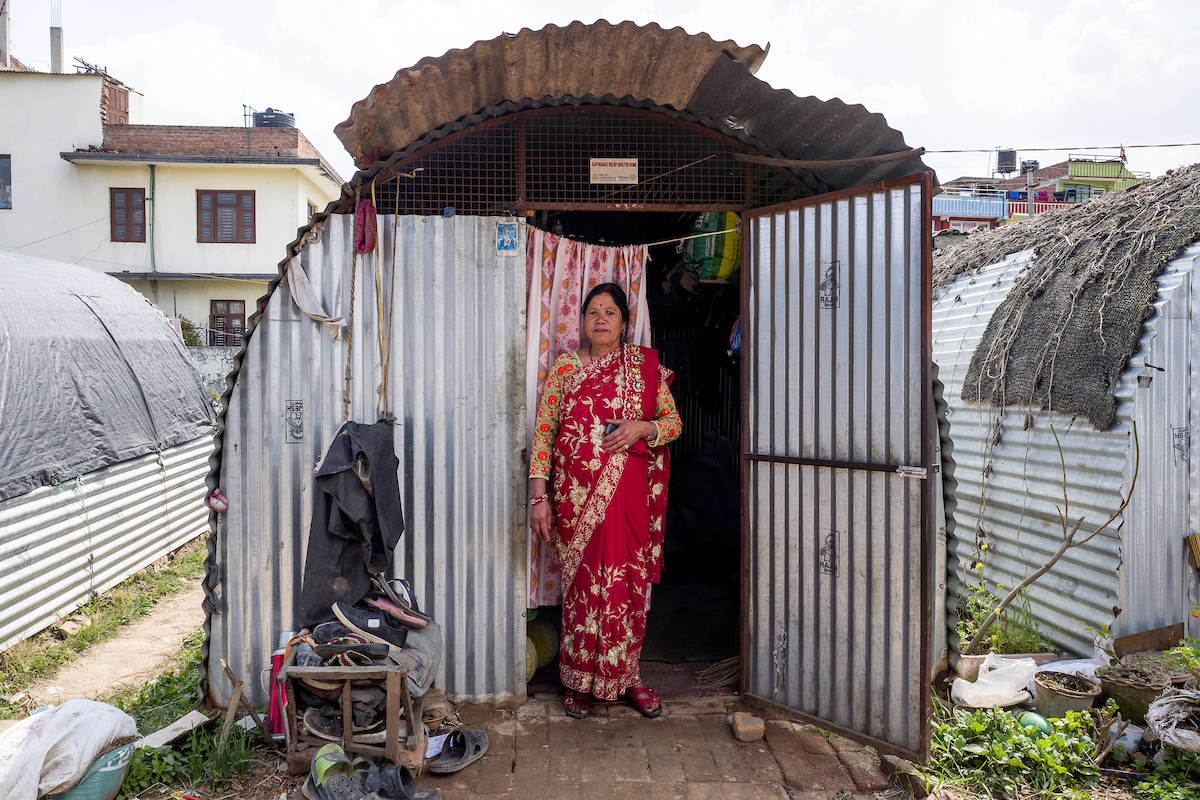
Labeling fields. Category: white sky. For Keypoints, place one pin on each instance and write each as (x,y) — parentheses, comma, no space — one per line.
(949,74)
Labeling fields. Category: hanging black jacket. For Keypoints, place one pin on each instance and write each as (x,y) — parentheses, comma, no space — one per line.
(357,519)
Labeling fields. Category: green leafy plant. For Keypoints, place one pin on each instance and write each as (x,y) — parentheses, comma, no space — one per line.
(1177,778)
(202,758)
(1187,657)
(1013,630)
(989,752)
(151,766)
(1102,638)
(192,336)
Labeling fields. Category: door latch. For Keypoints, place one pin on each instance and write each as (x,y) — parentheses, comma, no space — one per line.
(907,471)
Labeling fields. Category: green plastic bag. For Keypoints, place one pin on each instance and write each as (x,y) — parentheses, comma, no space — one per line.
(718,256)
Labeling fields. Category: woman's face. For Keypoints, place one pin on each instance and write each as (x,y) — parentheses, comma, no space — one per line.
(602,322)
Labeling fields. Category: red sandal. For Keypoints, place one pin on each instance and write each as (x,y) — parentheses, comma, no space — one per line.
(645,701)
(577,704)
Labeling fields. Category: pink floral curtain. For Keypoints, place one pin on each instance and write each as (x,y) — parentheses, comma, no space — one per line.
(559,273)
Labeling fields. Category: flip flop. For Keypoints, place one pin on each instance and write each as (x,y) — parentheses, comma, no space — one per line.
(399,613)
(461,749)
(582,702)
(330,777)
(642,698)
(397,783)
(338,787)
(399,592)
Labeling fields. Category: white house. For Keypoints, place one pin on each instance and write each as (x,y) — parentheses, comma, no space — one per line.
(192,217)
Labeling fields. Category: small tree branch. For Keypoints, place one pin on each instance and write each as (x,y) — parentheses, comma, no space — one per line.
(1068,541)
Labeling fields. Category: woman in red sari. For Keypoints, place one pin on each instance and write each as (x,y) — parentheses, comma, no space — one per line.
(603,425)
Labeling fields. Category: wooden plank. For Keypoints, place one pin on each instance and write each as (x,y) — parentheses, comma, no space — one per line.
(392,723)
(347,718)
(180,727)
(1157,639)
(233,706)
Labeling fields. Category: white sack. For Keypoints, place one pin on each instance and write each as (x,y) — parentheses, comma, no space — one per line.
(1001,682)
(48,752)
(1166,713)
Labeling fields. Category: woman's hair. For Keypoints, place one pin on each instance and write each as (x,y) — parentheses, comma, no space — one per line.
(615,292)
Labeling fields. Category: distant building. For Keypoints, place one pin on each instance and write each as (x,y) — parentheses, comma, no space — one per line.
(968,204)
(190,216)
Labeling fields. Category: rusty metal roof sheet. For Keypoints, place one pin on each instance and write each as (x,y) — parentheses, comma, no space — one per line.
(803,128)
(690,76)
(642,62)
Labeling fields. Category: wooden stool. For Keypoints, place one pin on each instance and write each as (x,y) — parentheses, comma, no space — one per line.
(395,680)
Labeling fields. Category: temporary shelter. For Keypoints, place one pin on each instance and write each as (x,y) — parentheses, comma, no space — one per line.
(1066,350)
(475,163)
(105,436)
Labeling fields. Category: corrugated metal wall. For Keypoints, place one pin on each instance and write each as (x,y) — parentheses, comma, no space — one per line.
(456,381)
(838,374)
(1159,585)
(1007,492)
(59,544)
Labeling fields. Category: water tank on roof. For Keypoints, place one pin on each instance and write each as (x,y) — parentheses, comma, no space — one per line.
(274,118)
(1006,161)
(1029,166)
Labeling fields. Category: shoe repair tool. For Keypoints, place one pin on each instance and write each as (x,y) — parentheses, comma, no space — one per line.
(240,699)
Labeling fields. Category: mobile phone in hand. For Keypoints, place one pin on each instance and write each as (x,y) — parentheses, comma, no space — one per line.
(609,428)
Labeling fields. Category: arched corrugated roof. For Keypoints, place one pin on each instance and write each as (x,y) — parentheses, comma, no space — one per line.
(642,62)
(713,82)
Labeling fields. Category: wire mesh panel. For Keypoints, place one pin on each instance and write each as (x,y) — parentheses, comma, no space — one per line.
(473,174)
(542,159)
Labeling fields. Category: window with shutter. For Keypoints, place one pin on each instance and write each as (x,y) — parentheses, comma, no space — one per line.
(226,322)
(127,215)
(224,216)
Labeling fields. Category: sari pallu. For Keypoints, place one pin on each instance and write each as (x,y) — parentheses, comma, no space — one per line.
(609,510)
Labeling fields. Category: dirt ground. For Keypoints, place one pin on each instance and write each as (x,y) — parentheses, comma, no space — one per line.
(140,653)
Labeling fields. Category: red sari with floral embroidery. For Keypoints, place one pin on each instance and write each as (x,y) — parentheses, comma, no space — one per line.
(609,509)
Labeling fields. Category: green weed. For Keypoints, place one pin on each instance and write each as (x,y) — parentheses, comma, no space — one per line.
(989,752)
(1014,631)
(39,658)
(201,759)
(162,701)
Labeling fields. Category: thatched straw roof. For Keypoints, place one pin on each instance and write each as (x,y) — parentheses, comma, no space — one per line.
(1064,333)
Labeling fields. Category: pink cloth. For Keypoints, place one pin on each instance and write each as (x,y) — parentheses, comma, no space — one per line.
(559,274)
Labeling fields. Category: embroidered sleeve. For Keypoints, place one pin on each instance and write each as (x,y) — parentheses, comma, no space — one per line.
(545,426)
(666,417)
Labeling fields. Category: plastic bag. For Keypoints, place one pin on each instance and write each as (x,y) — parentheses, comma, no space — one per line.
(1168,712)
(1001,682)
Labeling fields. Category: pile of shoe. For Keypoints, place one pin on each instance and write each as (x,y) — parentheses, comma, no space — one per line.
(334,777)
(386,627)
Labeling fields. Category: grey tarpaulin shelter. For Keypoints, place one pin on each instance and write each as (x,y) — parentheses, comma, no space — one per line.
(105,431)
(1007,469)
(835,411)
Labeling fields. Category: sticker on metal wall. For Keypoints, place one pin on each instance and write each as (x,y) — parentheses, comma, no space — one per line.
(506,238)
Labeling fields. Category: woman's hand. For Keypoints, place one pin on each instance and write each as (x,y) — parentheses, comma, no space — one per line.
(627,434)
(541,519)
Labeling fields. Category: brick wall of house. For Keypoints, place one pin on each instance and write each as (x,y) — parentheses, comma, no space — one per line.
(196,140)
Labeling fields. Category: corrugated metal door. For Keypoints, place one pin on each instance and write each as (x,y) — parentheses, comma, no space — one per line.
(838,452)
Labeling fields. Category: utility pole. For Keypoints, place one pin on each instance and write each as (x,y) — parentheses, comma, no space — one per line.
(1029,191)
(5,38)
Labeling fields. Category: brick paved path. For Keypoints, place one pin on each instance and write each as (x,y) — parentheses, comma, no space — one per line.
(689,753)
